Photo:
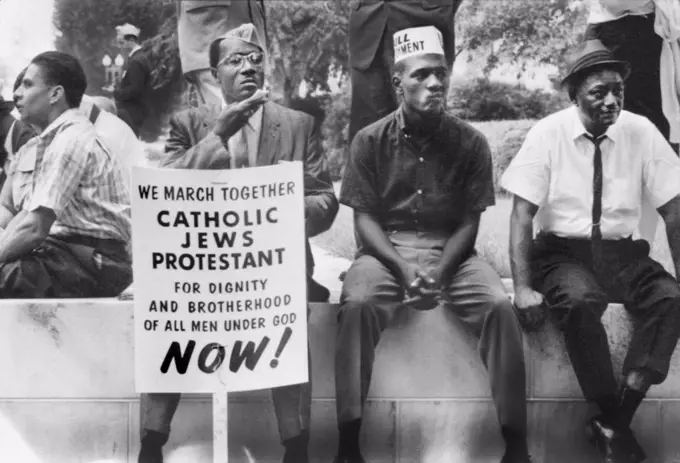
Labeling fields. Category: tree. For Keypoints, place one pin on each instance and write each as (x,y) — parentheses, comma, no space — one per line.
(87,31)
(308,43)
(522,32)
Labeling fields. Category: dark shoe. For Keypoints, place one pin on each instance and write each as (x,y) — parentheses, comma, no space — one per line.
(631,447)
(150,454)
(607,440)
(514,457)
(300,456)
(296,449)
(152,447)
(355,459)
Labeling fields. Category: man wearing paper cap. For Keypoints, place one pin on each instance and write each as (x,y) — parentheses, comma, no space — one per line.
(372,24)
(247,130)
(583,173)
(131,93)
(418,181)
(200,22)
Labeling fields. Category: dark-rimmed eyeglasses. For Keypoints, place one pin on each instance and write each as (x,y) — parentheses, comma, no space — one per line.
(237,60)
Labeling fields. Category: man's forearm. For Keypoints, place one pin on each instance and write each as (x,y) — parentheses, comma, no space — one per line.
(320,212)
(374,238)
(6,216)
(671,217)
(521,241)
(21,237)
(459,246)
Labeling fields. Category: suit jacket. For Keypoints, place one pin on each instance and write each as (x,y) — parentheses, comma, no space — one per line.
(286,135)
(202,21)
(131,93)
(369,25)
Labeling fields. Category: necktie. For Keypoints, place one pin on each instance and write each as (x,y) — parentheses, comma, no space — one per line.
(238,148)
(596,230)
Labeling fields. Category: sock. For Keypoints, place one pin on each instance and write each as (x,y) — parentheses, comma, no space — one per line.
(515,442)
(608,405)
(296,448)
(154,439)
(348,442)
(629,401)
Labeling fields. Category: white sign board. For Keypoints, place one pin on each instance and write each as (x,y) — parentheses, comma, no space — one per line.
(219,277)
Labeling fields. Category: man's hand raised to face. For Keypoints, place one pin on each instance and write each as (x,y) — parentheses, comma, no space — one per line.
(234,116)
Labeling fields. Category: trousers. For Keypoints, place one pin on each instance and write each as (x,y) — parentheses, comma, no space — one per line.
(632,39)
(578,291)
(370,296)
(68,267)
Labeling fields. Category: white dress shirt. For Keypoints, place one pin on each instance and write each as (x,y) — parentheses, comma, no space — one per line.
(554,170)
(608,10)
(251,131)
(116,136)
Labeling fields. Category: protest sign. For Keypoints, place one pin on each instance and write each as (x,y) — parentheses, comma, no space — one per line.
(220,279)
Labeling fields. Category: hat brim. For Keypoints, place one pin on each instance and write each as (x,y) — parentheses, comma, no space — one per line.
(623,65)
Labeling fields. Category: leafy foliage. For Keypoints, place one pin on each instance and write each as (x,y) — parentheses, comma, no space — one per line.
(486,100)
(523,32)
(308,43)
(87,31)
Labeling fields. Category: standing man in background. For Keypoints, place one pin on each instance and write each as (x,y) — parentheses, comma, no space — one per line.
(131,92)
(627,29)
(371,54)
(200,22)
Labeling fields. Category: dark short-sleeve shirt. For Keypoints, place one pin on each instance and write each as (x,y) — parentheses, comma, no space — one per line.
(408,183)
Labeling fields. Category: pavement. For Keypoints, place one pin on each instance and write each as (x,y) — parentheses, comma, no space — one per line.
(327,270)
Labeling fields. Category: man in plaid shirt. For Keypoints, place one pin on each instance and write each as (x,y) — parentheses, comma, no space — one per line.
(65,209)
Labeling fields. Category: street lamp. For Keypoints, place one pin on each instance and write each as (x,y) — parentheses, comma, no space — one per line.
(106,62)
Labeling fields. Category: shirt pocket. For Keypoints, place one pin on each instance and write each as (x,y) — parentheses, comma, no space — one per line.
(620,196)
(22,183)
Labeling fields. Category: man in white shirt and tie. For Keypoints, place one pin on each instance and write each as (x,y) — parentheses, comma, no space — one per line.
(583,173)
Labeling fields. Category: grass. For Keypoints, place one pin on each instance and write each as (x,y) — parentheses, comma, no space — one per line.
(505,138)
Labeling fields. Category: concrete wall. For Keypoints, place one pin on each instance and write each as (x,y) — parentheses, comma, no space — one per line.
(67,394)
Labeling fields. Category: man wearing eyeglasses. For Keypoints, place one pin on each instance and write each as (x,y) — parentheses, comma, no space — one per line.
(199,23)
(246,130)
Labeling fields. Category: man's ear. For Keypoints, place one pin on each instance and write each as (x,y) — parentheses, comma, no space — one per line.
(56,93)
(396,82)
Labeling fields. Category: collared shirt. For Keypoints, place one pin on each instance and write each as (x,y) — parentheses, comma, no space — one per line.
(609,10)
(116,135)
(667,26)
(252,131)
(554,170)
(68,170)
(419,185)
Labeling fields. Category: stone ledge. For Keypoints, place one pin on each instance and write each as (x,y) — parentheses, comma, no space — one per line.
(83,348)
(72,360)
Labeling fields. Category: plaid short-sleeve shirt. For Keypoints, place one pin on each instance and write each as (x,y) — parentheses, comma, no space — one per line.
(68,170)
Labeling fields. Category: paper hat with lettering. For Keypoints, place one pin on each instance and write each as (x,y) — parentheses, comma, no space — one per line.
(128,29)
(246,33)
(417,41)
